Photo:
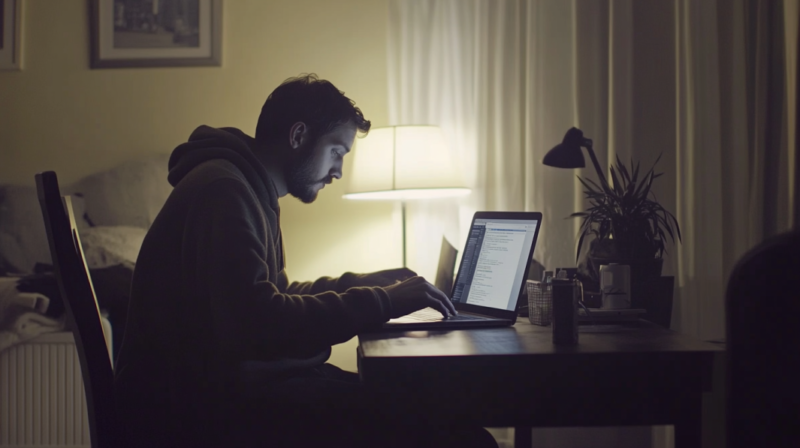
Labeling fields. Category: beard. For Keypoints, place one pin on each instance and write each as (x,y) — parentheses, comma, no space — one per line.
(300,177)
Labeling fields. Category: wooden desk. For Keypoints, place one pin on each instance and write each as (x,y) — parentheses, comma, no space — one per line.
(618,375)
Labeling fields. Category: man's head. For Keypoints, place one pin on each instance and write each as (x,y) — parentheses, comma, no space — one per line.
(313,125)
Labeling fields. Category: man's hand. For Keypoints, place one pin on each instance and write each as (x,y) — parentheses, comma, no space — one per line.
(415,294)
(386,278)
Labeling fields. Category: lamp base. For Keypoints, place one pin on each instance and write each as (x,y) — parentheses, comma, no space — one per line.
(403,218)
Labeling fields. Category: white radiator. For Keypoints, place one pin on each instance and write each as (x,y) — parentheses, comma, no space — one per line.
(42,402)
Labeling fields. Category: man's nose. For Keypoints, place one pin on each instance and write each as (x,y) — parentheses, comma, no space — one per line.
(336,171)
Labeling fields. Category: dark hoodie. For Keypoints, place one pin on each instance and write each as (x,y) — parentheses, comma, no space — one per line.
(211,307)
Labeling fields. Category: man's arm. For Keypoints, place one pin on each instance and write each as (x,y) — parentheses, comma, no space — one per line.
(231,249)
(346,281)
(322,284)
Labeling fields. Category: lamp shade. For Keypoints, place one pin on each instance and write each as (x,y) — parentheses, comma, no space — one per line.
(402,163)
(567,154)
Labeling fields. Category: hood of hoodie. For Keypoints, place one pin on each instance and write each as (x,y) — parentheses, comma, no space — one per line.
(231,144)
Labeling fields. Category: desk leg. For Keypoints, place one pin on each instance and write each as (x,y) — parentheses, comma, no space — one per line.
(523,437)
(689,429)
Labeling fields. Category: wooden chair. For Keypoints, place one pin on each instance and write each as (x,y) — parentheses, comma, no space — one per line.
(82,309)
(763,346)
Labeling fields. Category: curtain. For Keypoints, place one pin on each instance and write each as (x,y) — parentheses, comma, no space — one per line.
(700,83)
(792,25)
(461,64)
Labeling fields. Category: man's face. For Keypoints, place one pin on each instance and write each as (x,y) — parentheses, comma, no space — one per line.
(317,163)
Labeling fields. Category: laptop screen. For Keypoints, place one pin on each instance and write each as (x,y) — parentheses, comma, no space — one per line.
(494,261)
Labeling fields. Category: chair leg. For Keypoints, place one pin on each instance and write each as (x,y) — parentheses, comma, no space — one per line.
(523,437)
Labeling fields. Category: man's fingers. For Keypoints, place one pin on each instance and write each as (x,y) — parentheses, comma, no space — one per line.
(452,307)
(442,297)
(438,306)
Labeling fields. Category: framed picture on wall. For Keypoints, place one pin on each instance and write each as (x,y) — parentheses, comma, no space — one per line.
(156,33)
(10,23)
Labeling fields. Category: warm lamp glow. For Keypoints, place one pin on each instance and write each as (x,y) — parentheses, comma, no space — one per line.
(403,195)
(404,163)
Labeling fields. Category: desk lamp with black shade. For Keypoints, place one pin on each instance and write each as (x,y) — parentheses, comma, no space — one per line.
(403,163)
(567,154)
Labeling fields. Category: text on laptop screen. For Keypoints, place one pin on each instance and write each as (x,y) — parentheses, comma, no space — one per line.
(494,262)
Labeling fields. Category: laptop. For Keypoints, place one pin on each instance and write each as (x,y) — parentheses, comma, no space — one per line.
(492,273)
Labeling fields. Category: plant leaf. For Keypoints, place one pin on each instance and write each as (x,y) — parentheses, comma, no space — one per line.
(615,181)
(662,221)
(580,243)
(677,227)
(656,162)
(635,176)
(623,171)
(597,188)
(644,188)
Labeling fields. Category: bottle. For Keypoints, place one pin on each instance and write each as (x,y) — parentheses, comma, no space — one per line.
(565,312)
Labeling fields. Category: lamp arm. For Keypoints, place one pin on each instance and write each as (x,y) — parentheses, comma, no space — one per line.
(588,145)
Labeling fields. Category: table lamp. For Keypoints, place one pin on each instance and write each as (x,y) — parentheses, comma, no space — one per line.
(567,154)
(403,163)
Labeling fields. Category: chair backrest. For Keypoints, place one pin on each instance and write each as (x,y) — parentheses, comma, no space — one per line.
(763,346)
(82,309)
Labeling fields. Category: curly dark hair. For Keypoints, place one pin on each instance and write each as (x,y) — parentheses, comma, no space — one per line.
(316,102)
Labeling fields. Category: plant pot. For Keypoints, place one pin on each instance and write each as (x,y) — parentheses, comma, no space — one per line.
(655,296)
(634,252)
(644,265)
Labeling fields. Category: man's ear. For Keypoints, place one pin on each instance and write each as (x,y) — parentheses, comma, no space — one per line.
(298,134)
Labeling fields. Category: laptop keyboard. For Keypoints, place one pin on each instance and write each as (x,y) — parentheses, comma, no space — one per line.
(432,315)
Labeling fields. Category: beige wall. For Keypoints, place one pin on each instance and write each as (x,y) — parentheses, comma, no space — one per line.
(57,114)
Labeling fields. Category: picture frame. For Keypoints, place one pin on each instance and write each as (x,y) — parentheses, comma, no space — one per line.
(155,33)
(10,34)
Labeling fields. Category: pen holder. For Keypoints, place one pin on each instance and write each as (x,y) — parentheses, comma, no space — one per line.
(540,302)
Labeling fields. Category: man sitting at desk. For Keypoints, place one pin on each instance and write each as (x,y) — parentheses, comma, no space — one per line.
(220,349)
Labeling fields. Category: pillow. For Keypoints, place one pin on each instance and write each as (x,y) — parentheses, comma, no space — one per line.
(106,246)
(130,194)
(23,240)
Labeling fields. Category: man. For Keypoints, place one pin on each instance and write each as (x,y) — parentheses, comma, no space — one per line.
(220,349)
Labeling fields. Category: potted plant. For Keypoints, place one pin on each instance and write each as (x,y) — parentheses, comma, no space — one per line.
(627,223)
